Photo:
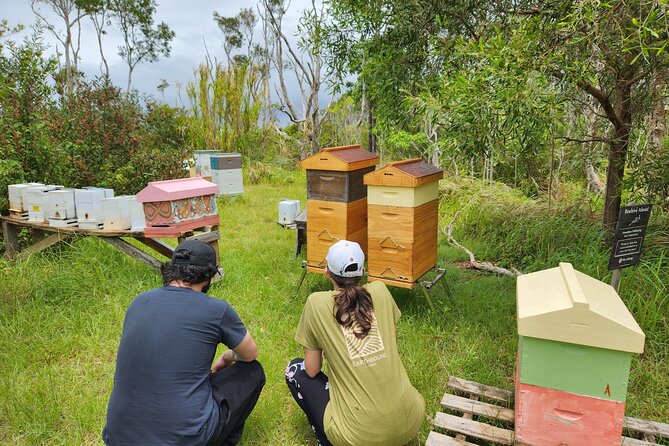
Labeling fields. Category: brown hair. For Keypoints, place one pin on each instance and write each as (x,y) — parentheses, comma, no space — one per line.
(353,305)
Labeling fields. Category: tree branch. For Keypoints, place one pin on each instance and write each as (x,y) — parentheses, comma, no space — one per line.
(604,101)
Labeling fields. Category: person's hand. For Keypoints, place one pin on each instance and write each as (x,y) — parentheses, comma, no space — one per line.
(220,363)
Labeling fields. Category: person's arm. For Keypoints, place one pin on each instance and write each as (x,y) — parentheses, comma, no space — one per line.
(313,361)
(246,351)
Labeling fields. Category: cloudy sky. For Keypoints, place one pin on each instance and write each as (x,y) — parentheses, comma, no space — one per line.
(191,20)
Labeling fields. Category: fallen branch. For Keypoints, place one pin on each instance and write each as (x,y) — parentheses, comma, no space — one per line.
(481,266)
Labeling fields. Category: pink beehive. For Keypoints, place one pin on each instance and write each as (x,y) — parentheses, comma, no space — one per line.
(172,207)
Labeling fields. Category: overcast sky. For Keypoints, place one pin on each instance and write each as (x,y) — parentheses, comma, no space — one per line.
(193,23)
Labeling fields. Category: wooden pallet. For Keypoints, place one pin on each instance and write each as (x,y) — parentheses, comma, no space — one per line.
(492,421)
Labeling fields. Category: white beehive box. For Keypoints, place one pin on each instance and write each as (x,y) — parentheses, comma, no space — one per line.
(137,222)
(15,193)
(88,204)
(116,212)
(36,200)
(288,210)
(60,208)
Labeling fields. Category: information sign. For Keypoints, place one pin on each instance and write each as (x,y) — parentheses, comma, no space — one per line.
(630,231)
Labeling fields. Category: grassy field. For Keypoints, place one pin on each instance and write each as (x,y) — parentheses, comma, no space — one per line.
(61,313)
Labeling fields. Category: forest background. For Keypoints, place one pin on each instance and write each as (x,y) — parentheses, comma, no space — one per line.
(545,116)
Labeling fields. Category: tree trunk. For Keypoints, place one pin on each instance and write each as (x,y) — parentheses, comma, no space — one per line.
(617,155)
(371,137)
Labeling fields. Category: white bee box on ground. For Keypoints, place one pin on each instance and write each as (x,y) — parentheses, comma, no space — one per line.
(15,193)
(288,210)
(36,200)
(116,212)
(88,204)
(137,222)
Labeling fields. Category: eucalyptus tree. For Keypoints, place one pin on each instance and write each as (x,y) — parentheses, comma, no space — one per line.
(70,13)
(142,41)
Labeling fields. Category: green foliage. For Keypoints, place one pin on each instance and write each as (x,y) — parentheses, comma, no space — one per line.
(225,109)
(94,136)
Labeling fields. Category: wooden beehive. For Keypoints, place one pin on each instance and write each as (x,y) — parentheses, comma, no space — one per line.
(61,210)
(226,172)
(202,159)
(36,200)
(403,214)
(336,200)
(16,193)
(88,205)
(116,212)
(172,207)
(576,340)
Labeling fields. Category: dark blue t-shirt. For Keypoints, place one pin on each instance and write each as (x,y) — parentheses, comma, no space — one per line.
(162,394)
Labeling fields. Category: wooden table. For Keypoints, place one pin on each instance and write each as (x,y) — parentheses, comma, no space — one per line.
(44,236)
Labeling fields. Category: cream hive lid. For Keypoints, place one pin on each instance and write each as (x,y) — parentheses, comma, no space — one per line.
(413,172)
(565,305)
(341,159)
(170,190)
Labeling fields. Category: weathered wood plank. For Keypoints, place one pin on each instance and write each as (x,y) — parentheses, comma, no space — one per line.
(474,428)
(437,439)
(206,236)
(634,442)
(72,230)
(470,406)
(11,238)
(494,393)
(467,416)
(157,245)
(43,244)
(646,427)
(133,251)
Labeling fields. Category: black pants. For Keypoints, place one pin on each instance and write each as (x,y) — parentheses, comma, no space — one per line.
(236,389)
(311,394)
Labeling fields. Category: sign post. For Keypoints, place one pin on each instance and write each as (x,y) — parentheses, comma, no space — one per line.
(628,239)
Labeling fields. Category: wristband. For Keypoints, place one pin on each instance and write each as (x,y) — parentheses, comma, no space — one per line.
(234,356)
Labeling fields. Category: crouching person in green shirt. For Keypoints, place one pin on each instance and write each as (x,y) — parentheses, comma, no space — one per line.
(366,398)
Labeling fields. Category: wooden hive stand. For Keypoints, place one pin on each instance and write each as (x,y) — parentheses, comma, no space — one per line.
(477,414)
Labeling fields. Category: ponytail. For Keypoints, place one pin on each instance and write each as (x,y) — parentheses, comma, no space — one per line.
(353,305)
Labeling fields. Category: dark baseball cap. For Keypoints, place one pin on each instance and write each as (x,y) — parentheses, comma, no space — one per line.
(198,253)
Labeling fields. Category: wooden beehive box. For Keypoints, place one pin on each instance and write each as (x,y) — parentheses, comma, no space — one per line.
(172,207)
(61,210)
(576,340)
(403,222)
(16,193)
(336,199)
(226,172)
(88,205)
(36,200)
(116,212)
(336,173)
(202,159)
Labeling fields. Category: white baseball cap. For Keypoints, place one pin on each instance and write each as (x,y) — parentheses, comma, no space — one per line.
(342,255)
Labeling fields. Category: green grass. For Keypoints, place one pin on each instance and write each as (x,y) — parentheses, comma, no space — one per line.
(61,313)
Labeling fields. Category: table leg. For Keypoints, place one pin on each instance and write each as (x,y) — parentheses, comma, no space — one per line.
(11,238)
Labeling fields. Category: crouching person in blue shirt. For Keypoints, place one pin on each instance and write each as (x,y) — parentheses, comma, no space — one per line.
(166,389)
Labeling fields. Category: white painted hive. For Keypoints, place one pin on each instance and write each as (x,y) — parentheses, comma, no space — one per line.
(288,210)
(15,193)
(116,212)
(88,205)
(137,222)
(61,204)
(36,200)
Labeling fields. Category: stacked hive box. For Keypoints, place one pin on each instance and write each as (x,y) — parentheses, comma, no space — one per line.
(336,200)
(17,207)
(202,159)
(226,172)
(88,204)
(172,207)
(576,344)
(36,200)
(403,217)
(61,209)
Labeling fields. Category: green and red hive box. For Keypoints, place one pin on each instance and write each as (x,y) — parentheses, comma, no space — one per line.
(576,341)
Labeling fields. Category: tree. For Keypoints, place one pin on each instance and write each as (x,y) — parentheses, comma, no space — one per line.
(71,14)
(611,51)
(142,41)
(307,72)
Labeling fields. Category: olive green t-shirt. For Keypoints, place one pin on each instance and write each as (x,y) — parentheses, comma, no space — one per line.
(372,401)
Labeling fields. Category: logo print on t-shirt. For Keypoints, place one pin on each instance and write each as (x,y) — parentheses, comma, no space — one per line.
(370,344)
